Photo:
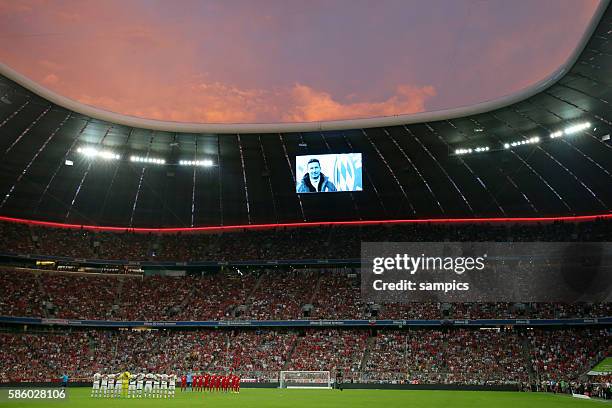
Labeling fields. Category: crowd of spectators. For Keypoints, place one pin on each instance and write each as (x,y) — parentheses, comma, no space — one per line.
(338,297)
(255,354)
(20,294)
(157,351)
(45,357)
(155,297)
(562,354)
(330,350)
(77,297)
(218,296)
(415,355)
(281,294)
(411,311)
(488,356)
(448,357)
(274,244)
(497,310)
(275,294)
(554,358)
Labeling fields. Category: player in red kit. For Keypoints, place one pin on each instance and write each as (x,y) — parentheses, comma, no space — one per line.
(218,383)
(183,382)
(200,382)
(206,381)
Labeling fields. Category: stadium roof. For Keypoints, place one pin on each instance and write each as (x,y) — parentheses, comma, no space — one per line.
(411,166)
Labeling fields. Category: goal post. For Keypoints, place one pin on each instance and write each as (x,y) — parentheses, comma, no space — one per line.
(305,379)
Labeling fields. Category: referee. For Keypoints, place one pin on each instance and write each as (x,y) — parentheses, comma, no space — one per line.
(339,380)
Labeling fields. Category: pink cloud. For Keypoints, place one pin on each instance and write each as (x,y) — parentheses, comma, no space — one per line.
(216,102)
(67,16)
(12,6)
(50,79)
(310,105)
(51,65)
(199,102)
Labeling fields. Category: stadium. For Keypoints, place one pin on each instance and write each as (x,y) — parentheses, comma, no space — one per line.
(156,263)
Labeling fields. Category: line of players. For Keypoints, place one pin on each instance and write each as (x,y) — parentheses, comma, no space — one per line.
(159,385)
(134,386)
(211,382)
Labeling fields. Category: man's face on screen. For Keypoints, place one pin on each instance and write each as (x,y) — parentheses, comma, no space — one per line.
(314,170)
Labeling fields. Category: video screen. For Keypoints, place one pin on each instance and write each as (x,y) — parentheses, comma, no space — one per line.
(328,173)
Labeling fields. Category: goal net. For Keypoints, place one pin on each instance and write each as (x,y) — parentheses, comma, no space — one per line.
(305,379)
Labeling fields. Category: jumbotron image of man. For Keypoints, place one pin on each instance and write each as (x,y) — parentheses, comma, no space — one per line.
(314,180)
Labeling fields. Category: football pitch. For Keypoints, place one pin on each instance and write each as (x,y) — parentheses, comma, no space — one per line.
(271,398)
(605,366)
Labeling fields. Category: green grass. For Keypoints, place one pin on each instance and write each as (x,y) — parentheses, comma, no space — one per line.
(272,398)
(604,366)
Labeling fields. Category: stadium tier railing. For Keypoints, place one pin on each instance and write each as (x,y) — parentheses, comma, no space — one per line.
(307,323)
(126,262)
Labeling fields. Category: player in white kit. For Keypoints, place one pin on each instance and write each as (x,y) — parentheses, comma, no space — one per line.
(132,387)
(148,388)
(104,385)
(172,385)
(156,381)
(95,389)
(111,386)
(139,385)
(164,386)
(118,385)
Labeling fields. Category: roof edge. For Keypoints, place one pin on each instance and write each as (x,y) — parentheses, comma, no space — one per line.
(282,127)
(244,227)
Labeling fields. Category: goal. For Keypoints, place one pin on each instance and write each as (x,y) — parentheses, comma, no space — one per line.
(305,379)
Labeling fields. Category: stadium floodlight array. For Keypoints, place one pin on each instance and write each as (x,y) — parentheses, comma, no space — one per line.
(479,149)
(570,130)
(463,151)
(556,134)
(204,163)
(151,160)
(531,140)
(92,152)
